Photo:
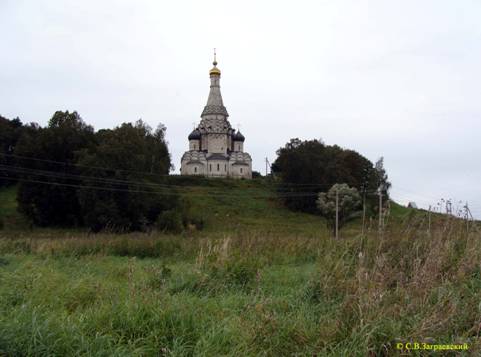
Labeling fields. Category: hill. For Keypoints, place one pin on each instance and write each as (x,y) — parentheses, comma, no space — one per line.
(225,205)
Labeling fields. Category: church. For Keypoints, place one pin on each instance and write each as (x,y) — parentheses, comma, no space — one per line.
(215,148)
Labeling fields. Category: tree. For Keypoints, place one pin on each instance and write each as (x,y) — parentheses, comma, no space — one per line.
(46,157)
(10,132)
(349,201)
(382,178)
(256,174)
(309,167)
(298,164)
(128,195)
(70,175)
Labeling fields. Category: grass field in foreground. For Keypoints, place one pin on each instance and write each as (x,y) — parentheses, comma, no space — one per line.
(247,292)
(240,295)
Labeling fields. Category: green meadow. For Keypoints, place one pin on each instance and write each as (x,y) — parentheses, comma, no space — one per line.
(257,280)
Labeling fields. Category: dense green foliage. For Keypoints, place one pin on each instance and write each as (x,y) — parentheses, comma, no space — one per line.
(124,167)
(10,132)
(48,155)
(306,168)
(71,176)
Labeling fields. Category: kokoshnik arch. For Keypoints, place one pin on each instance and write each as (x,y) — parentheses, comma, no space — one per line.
(215,148)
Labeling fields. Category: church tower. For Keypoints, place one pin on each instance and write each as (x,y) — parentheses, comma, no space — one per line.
(215,149)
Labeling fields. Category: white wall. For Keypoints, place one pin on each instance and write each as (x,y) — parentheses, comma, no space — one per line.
(194,145)
(219,168)
(217,143)
(238,146)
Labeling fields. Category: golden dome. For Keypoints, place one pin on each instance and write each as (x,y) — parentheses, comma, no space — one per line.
(214,70)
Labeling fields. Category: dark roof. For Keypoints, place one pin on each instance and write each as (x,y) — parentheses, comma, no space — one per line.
(195,135)
(238,136)
(217,156)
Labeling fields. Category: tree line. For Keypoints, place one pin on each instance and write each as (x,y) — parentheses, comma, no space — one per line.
(70,175)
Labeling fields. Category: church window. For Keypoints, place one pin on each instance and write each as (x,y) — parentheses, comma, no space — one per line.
(225,167)
(218,167)
(210,167)
(195,169)
(241,169)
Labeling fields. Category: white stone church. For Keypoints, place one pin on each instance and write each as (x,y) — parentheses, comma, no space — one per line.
(215,149)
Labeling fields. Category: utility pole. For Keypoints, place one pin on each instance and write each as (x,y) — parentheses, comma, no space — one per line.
(429,221)
(449,209)
(337,214)
(363,211)
(380,209)
(467,214)
(386,213)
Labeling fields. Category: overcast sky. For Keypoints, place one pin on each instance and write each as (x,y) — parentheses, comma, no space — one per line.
(399,79)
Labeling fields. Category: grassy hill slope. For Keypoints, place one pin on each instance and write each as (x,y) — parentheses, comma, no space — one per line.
(226,205)
(236,205)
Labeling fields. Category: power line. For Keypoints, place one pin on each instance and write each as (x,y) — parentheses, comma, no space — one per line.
(66,164)
(282,185)
(57,174)
(284,195)
(143,185)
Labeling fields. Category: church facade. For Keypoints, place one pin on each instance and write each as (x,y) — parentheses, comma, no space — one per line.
(215,148)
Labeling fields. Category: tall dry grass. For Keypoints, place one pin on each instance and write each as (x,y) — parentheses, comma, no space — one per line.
(265,294)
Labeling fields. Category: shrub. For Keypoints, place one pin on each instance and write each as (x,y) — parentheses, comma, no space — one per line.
(170,221)
(166,247)
(348,199)
(190,218)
